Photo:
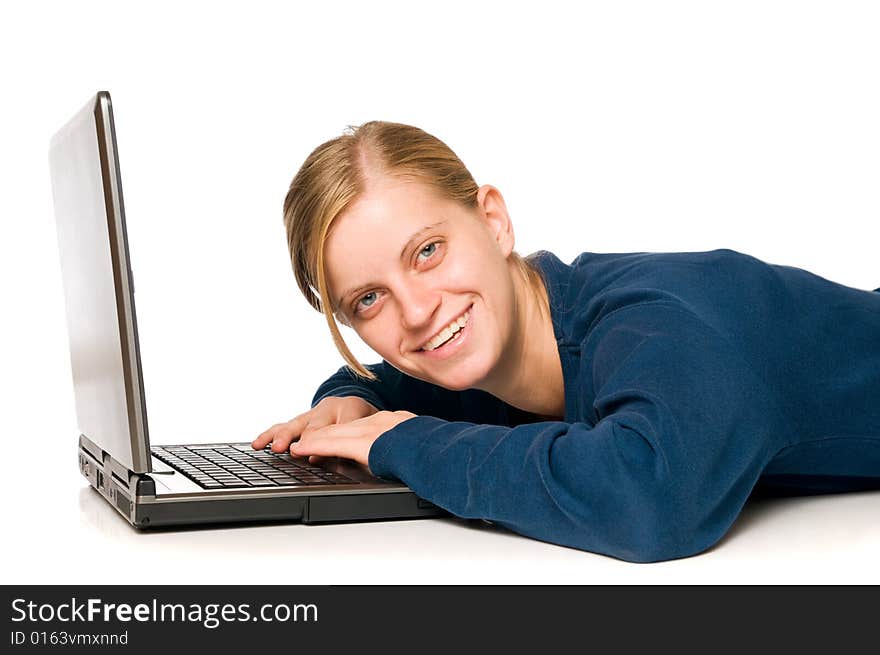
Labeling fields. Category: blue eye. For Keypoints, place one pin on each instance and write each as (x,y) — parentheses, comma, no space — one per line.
(372,293)
(432,246)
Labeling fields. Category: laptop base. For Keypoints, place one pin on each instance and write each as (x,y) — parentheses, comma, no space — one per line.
(135,497)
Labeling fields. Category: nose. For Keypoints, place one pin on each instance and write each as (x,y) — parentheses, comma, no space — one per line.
(418,305)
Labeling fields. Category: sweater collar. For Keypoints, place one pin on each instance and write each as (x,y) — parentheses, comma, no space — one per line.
(557,277)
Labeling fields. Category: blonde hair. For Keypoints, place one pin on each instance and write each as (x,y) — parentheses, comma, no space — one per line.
(336,173)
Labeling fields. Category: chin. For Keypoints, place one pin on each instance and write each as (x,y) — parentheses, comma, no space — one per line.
(462,378)
(454,385)
(455,381)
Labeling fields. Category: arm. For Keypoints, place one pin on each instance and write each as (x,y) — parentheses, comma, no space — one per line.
(678,434)
(356,411)
(397,391)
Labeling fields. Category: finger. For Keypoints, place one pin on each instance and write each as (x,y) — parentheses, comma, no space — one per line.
(325,447)
(313,459)
(298,427)
(307,429)
(265,437)
(339,440)
(290,431)
(280,434)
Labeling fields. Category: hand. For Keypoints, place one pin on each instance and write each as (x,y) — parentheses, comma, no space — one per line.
(328,411)
(350,440)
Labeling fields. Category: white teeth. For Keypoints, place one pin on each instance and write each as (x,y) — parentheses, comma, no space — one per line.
(448,331)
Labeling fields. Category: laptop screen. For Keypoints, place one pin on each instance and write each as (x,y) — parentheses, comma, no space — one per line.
(99,302)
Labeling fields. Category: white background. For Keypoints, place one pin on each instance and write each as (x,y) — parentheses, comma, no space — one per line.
(608,127)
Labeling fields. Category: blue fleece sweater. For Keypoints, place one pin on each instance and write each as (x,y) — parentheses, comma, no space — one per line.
(691,380)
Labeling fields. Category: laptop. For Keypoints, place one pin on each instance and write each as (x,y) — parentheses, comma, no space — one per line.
(167,485)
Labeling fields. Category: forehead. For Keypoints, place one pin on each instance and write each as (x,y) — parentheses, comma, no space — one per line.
(389,204)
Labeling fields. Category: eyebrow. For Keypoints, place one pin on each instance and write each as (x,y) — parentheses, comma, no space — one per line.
(345,296)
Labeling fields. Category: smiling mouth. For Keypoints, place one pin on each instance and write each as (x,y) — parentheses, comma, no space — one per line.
(451,332)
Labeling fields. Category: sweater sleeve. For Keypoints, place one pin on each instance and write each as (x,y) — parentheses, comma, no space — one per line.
(395,390)
(677,434)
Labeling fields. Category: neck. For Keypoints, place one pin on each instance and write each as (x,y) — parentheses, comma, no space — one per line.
(530,375)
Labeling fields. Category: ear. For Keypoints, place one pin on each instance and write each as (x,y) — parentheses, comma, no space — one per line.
(493,211)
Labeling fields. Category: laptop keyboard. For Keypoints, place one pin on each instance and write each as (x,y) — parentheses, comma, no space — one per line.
(239,465)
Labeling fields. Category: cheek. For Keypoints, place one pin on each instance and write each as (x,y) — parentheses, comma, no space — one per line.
(465,273)
(380,333)
(486,274)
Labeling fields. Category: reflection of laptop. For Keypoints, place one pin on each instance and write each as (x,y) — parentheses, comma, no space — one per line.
(167,485)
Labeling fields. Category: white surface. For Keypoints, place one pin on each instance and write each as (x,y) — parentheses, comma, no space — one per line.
(831,539)
(608,127)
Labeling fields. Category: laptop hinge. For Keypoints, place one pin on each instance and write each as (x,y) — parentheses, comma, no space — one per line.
(119,485)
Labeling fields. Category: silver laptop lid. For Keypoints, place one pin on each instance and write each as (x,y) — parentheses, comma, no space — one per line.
(98,293)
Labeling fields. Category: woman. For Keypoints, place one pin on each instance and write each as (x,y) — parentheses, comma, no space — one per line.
(624,404)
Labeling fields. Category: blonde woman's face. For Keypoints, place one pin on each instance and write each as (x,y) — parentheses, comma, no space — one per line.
(403,264)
